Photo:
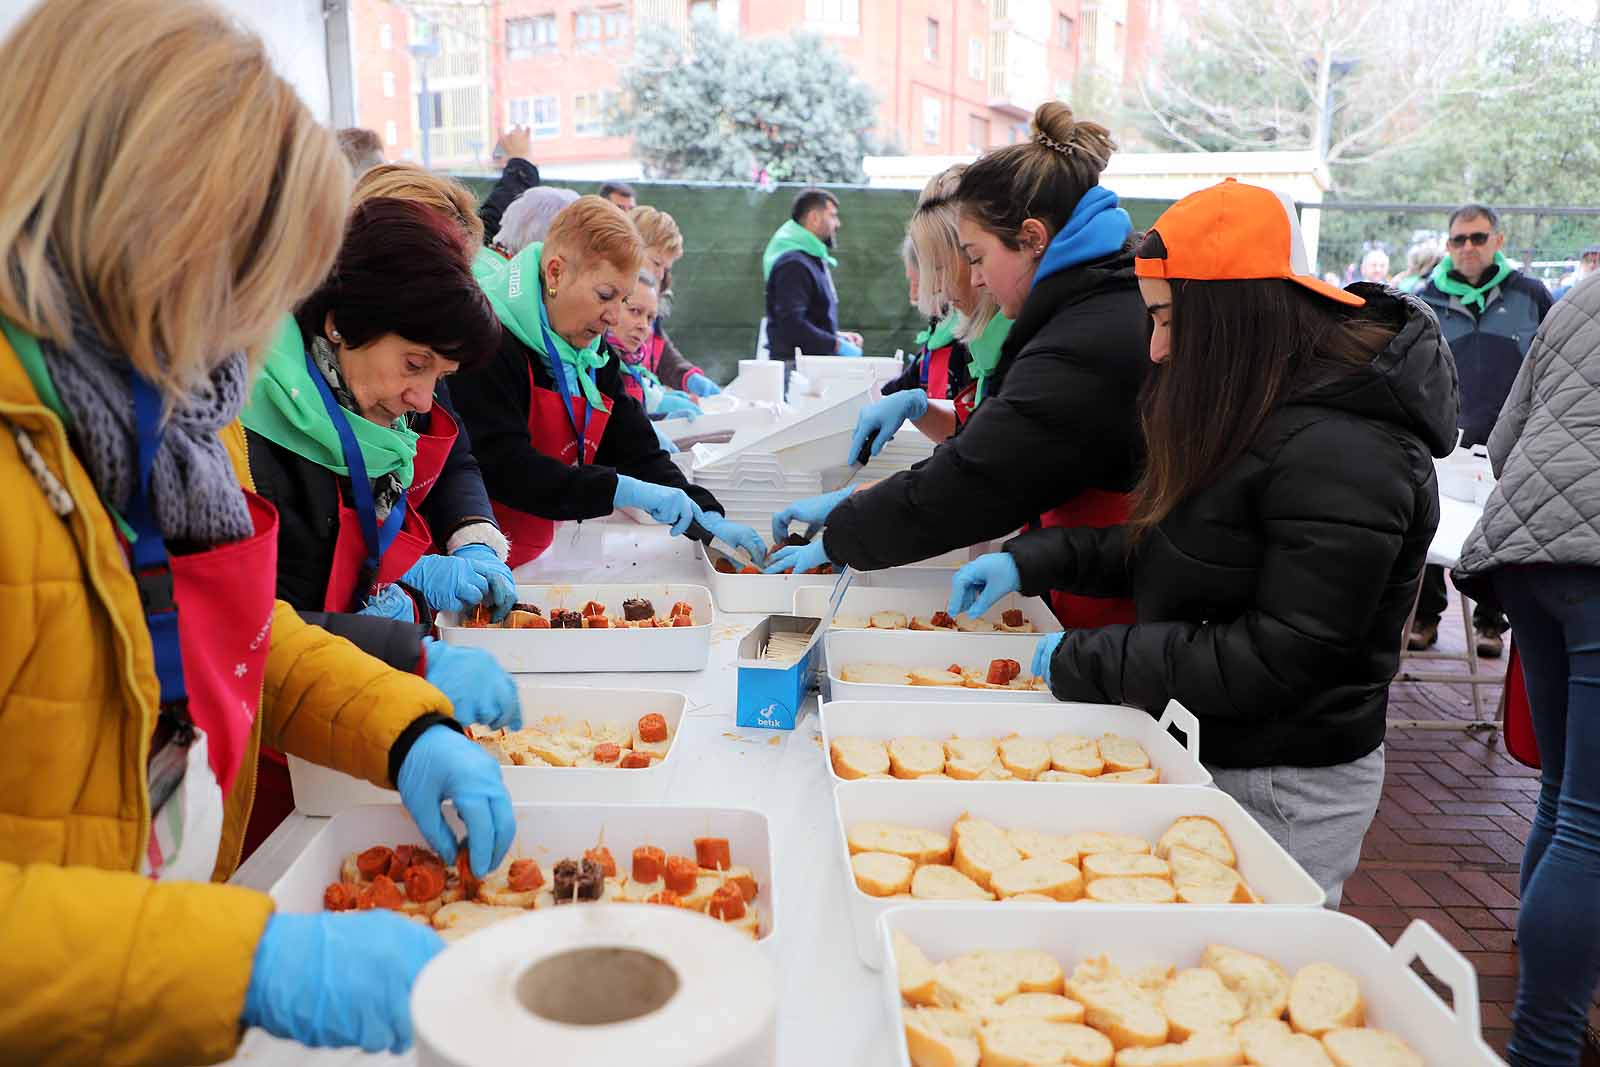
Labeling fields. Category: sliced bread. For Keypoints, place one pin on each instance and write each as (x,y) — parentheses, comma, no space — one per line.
(881,874)
(1368,1048)
(1201,833)
(1025,757)
(1033,1042)
(1124,865)
(913,842)
(1322,997)
(1056,879)
(1263,985)
(914,757)
(946,883)
(939,1038)
(913,969)
(858,757)
(1196,1001)
(1215,1048)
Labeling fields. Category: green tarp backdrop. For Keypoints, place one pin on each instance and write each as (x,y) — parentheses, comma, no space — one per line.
(717,286)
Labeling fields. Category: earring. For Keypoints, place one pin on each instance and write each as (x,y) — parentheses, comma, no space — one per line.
(335,337)
(552,294)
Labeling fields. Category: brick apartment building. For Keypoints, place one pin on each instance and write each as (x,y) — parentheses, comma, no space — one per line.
(952,77)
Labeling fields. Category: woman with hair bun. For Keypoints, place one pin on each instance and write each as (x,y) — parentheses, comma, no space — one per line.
(1056,438)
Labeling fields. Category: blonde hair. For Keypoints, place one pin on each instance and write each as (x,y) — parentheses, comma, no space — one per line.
(658,230)
(594,228)
(407,181)
(162,180)
(1042,178)
(934,240)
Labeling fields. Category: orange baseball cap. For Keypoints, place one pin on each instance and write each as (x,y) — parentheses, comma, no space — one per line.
(1235,232)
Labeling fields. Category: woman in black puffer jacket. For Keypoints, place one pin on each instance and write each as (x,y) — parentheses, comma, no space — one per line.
(1278,532)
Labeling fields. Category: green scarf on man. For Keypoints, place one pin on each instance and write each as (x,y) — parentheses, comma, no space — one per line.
(1468,294)
(517,300)
(985,352)
(793,237)
(286,408)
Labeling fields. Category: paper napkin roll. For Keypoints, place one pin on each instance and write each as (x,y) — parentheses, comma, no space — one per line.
(599,984)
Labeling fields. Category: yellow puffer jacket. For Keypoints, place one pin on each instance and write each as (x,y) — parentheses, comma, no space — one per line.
(101,965)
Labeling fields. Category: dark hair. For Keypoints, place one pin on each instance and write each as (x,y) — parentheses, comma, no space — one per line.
(403,269)
(1041,178)
(810,200)
(361,148)
(1474,211)
(1239,350)
(621,188)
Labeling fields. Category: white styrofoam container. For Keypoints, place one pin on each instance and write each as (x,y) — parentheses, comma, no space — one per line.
(718,422)
(677,648)
(921,648)
(1396,999)
(825,370)
(861,602)
(832,414)
(547,833)
(1179,764)
(323,791)
(765,594)
(1146,813)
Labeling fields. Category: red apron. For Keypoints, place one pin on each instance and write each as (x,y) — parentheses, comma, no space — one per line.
(551,434)
(937,381)
(966,403)
(413,541)
(1096,509)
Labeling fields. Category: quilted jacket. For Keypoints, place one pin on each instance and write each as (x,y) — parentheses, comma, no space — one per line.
(1545,449)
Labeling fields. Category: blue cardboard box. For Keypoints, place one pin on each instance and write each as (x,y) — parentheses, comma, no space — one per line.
(770,694)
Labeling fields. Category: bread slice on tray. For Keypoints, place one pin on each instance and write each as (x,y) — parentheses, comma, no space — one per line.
(1322,997)
(1031,1042)
(938,1038)
(913,842)
(1216,1048)
(1144,776)
(1263,985)
(976,979)
(1368,1048)
(1124,865)
(1115,1006)
(1036,844)
(1025,757)
(968,757)
(1196,1001)
(1201,833)
(1056,879)
(913,969)
(935,676)
(1130,891)
(981,848)
(874,674)
(1051,1007)
(1122,753)
(1076,755)
(913,757)
(1094,841)
(858,757)
(946,883)
(881,874)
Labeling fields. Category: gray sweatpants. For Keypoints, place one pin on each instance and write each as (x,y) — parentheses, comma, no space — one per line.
(1318,814)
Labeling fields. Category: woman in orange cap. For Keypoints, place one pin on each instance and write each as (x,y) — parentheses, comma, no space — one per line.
(1278,532)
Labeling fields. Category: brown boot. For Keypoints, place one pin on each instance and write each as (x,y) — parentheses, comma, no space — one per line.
(1490,644)
(1424,635)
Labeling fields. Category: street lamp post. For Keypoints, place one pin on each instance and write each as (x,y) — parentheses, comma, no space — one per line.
(422,52)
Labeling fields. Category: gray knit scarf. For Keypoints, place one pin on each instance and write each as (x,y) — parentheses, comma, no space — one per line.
(195,488)
(386,488)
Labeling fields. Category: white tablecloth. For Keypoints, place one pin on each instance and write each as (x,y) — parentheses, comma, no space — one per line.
(831,1007)
(1456,520)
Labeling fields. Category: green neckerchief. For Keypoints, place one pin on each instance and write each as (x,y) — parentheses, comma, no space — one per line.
(31,356)
(286,408)
(940,333)
(1470,294)
(985,352)
(487,265)
(515,294)
(792,236)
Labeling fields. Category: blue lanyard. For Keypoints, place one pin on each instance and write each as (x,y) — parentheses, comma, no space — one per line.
(152,571)
(553,362)
(377,540)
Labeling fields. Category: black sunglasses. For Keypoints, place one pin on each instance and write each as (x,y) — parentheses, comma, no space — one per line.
(1478,239)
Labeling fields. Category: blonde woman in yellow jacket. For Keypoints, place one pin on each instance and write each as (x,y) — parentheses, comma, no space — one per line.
(164,201)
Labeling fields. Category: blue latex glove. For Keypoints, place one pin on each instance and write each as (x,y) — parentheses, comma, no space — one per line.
(502,586)
(663,503)
(667,444)
(338,978)
(812,510)
(735,535)
(878,422)
(700,385)
(391,602)
(480,690)
(675,405)
(845,348)
(981,584)
(448,583)
(444,765)
(1043,653)
(798,558)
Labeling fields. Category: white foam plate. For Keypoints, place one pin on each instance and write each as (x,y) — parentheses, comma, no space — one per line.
(1179,764)
(1143,812)
(765,594)
(1396,999)
(862,602)
(547,833)
(320,790)
(679,648)
(920,648)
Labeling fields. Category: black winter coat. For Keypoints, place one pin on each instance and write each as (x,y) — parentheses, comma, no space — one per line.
(1060,418)
(1271,603)
(494,400)
(802,307)
(517,178)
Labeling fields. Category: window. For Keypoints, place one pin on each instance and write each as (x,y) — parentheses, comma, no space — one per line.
(388,84)
(977,133)
(586,28)
(615,22)
(1064,29)
(834,16)
(975,58)
(391,133)
(932,119)
(930,48)
(589,112)
(541,113)
(525,36)
(701,9)
(386,36)
(430,110)
(1091,32)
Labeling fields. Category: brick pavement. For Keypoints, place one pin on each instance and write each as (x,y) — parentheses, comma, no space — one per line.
(1447,842)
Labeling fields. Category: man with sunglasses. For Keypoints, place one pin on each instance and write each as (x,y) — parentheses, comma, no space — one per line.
(1488,313)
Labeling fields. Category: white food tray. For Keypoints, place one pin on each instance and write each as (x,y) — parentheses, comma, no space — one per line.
(825,370)
(862,602)
(765,594)
(679,648)
(920,648)
(1140,811)
(1179,764)
(320,790)
(547,833)
(1396,999)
